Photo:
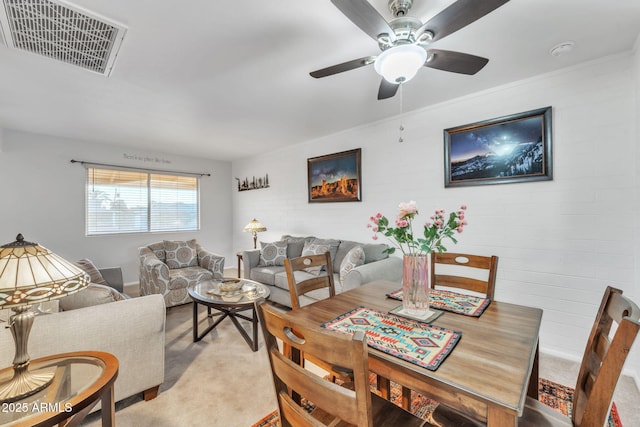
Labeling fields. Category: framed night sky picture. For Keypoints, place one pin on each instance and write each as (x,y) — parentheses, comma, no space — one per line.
(508,149)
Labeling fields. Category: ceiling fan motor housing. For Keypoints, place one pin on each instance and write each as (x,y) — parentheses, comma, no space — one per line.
(400,7)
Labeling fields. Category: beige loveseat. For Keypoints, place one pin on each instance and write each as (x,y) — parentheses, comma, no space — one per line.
(266,265)
(131,329)
(169,267)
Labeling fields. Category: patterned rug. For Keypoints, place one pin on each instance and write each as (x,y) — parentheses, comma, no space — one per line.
(410,340)
(552,394)
(452,301)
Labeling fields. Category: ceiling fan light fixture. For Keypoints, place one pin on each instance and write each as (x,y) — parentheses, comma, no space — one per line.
(401,63)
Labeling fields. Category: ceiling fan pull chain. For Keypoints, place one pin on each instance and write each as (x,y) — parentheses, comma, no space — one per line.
(401,112)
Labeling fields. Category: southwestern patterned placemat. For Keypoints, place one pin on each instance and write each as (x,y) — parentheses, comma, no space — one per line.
(408,339)
(452,301)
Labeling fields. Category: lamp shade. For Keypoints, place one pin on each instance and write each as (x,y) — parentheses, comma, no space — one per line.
(254,226)
(30,273)
(401,63)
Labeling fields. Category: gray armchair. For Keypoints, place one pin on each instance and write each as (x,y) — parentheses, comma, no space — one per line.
(170,267)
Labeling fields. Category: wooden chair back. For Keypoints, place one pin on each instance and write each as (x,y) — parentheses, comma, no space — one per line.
(298,288)
(464,279)
(333,401)
(614,331)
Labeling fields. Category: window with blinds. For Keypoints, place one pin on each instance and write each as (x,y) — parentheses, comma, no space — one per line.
(122,201)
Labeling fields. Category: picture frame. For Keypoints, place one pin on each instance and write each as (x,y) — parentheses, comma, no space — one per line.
(335,177)
(509,149)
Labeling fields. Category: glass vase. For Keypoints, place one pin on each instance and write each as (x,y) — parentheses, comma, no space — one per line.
(416,278)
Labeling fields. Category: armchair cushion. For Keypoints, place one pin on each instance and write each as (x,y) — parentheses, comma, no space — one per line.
(273,253)
(180,254)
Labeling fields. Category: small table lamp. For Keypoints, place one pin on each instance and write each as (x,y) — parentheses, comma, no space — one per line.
(30,274)
(255,227)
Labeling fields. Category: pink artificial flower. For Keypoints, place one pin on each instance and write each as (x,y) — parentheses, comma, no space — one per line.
(427,224)
(459,229)
(401,222)
(368,225)
(463,207)
(375,229)
(407,209)
(378,215)
(375,237)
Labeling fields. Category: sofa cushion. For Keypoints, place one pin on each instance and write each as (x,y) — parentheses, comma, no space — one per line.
(180,254)
(93,272)
(273,253)
(267,275)
(343,250)
(374,252)
(354,258)
(317,247)
(295,244)
(93,294)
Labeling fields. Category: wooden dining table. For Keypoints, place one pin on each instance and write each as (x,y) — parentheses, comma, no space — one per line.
(487,375)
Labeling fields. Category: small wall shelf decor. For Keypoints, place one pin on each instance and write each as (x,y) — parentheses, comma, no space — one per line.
(254,184)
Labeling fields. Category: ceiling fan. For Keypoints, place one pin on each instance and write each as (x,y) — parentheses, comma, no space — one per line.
(404,41)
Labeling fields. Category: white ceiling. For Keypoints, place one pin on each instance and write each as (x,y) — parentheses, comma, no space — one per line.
(225,80)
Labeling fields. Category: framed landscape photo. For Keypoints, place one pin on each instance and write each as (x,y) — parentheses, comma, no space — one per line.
(515,148)
(335,177)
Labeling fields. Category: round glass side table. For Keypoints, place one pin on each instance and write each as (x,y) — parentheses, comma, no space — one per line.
(81,380)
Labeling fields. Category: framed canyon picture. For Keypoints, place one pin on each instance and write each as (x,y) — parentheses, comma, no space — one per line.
(514,148)
(335,177)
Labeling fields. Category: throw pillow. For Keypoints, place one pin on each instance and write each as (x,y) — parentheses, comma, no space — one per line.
(273,253)
(316,247)
(94,274)
(353,259)
(90,296)
(180,254)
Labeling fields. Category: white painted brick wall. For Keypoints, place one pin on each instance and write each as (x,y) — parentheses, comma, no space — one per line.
(560,242)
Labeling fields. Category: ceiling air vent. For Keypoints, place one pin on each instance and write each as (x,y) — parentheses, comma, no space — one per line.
(62,31)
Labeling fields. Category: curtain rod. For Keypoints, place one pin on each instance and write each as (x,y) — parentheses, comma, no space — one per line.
(138,169)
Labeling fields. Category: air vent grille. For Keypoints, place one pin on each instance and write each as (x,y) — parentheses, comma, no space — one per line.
(63,32)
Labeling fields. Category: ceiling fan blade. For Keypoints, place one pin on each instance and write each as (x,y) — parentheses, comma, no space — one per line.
(456,62)
(345,66)
(457,16)
(387,90)
(366,17)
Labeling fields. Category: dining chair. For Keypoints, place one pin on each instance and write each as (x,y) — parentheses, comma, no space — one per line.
(309,281)
(334,404)
(614,330)
(463,273)
(299,287)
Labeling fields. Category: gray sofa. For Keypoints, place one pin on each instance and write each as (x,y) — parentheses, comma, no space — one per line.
(132,329)
(377,265)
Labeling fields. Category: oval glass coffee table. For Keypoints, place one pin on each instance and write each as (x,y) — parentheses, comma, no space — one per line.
(230,304)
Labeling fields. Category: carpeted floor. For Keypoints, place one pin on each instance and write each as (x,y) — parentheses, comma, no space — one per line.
(554,395)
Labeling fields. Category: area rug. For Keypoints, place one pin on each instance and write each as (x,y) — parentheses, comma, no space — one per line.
(552,394)
(452,301)
(416,342)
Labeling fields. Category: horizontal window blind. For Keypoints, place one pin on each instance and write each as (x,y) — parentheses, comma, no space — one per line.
(121,201)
